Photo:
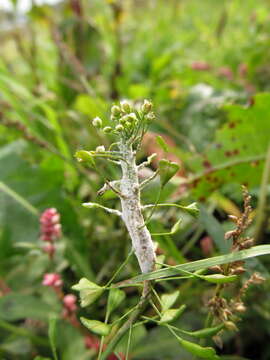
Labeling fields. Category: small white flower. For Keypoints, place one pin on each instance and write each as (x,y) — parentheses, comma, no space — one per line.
(97,122)
(100,148)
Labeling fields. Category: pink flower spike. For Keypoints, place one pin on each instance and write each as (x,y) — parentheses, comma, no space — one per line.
(52,279)
(69,301)
(50,227)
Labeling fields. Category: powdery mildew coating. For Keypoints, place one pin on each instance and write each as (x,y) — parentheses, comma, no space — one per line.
(131,210)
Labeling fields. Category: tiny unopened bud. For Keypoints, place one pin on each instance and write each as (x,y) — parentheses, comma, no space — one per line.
(247,244)
(233,218)
(239,307)
(115,110)
(257,278)
(229,234)
(238,271)
(123,120)
(107,129)
(216,268)
(119,128)
(131,117)
(125,106)
(97,122)
(100,148)
(218,341)
(150,116)
(146,106)
(230,326)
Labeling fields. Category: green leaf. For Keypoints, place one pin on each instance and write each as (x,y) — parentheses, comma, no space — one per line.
(116,296)
(172,314)
(238,151)
(219,278)
(197,350)
(167,300)
(96,326)
(16,306)
(167,169)
(204,263)
(215,230)
(52,336)
(89,291)
(160,141)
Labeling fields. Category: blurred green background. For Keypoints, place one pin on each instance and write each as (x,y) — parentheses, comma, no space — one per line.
(205,66)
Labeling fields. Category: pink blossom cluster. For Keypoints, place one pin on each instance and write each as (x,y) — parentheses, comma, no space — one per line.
(52,279)
(50,229)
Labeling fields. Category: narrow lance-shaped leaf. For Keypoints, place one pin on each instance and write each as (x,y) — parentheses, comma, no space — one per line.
(167,169)
(96,326)
(160,141)
(52,336)
(202,264)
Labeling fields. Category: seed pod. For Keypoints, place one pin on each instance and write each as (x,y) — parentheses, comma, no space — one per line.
(230,326)
(195,349)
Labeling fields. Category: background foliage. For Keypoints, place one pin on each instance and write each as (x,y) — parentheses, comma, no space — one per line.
(205,65)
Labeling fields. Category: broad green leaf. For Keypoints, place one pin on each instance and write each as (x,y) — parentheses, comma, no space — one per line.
(238,152)
(162,143)
(116,296)
(167,300)
(52,336)
(172,314)
(96,326)
(167,169)
(16,306)
(204,263)
(89,291)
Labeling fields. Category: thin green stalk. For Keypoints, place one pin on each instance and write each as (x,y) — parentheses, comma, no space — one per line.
(131,320)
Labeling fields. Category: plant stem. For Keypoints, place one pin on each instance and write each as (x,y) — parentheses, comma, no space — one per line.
(131,320)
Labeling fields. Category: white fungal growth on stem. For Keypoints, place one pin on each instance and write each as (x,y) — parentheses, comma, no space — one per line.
(131,210)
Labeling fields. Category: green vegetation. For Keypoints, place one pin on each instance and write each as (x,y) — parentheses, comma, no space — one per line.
(73,82)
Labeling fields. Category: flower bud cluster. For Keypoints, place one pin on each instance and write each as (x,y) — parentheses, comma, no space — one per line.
(127,118)
(52,279)
(50,229)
